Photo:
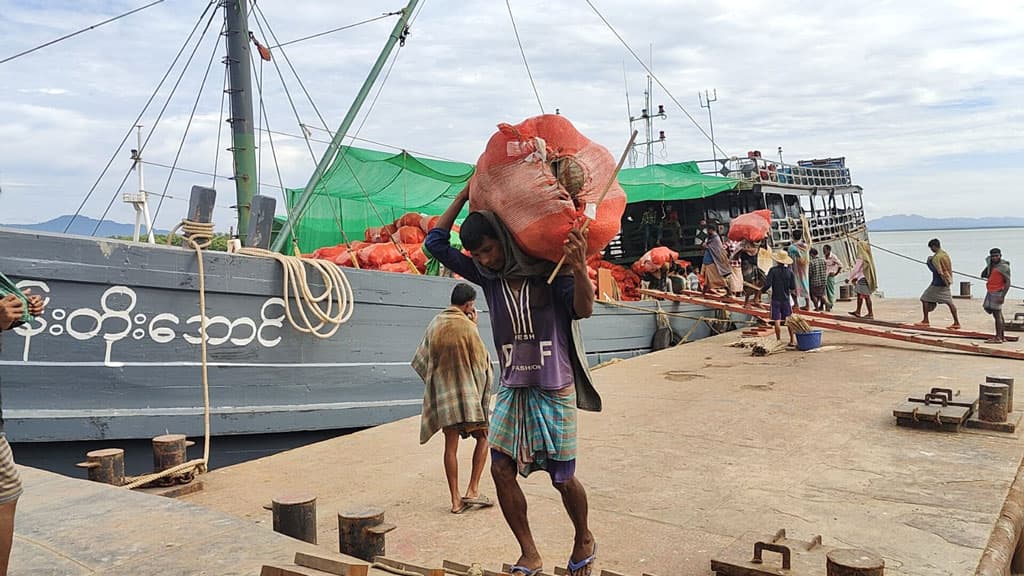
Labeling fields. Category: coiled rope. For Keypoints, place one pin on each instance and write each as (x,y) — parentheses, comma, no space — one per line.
(332,308)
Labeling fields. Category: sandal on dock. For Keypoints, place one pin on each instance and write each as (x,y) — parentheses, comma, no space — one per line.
(953,327)
(855,314)
(584,567)
(518,570)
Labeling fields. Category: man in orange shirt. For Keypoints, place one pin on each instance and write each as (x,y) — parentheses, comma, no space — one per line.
(997,271)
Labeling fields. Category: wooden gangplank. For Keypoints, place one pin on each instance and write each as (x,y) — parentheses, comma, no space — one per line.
(843,325)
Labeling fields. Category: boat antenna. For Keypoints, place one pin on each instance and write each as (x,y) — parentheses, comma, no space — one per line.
(76,33)
(705,102)
(398,34)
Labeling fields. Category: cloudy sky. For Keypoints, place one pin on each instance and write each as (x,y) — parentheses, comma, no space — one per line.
(923,99)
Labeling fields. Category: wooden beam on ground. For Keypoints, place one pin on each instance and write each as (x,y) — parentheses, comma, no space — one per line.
(843,326)
(460,569)
(872,321)
(331,565)
(399,567)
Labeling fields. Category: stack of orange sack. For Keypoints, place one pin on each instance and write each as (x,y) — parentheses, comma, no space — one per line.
(653,259)
(628,281)
(379,252)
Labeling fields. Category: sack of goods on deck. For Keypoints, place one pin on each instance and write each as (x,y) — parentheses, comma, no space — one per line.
(628,281)
(654,259)
(541,177)
(752,226)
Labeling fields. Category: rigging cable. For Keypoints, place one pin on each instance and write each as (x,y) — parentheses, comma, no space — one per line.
(73,34)
(912,259)
(220,126)
(214,175)
(188,125)
(131,129)
(536,93)
(333,30)
(156,122)
(656,79)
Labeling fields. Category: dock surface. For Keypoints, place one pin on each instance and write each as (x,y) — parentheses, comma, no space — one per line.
(698,447)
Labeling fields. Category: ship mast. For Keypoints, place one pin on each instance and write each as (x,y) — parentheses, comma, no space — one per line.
(243,140)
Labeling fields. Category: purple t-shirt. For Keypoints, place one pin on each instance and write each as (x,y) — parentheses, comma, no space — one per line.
(531,328)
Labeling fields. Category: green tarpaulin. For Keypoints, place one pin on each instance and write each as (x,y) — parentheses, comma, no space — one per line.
(396,183)
(661,182)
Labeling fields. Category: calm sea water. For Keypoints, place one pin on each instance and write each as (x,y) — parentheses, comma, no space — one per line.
(900,278)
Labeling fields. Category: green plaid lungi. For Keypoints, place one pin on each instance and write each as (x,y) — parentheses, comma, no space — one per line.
(534,426)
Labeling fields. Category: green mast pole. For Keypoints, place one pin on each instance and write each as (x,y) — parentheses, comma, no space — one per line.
(243,142)
(339,135)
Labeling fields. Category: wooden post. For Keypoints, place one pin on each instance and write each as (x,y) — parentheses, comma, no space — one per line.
(106,466)
(261,222)
(854,562)
(201,203)
(361,532)
(295,516)
(992,402)
(1008,380)
(965,289)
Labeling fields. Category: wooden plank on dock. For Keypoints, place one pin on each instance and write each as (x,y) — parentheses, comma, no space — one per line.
(843,326)
(331,565)
(385,563)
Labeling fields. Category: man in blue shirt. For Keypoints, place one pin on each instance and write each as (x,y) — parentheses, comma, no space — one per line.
(542,368)
(782,283)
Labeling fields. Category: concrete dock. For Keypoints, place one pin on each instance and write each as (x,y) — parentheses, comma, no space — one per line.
(699,447)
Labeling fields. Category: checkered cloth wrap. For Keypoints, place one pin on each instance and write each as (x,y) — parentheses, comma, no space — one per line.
(456,370)
(10,480)
(534,426)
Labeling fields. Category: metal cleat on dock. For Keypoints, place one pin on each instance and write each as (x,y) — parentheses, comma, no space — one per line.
(778,555)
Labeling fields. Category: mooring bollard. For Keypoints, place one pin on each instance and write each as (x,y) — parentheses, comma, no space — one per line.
(853,562)
(169,451)
(106,466)
(361,532)
(965,291)
(845,292)
(992,401)
(1009,393)
(295,516)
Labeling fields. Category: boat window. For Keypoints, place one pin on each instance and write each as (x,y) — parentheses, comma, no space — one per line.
(776,206)
(806,205)
(792,206)
(819,204)
(857,201)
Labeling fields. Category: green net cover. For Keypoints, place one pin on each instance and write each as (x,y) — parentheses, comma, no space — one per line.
(662,182)
(364,180)
(365,183)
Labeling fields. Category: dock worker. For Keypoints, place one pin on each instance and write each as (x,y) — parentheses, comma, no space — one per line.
(941,267)
(16,307)
(817,278)
(715,268)
(543,375)
(835,267)
(782,283)
(997,274)
(798,251)
(456,370)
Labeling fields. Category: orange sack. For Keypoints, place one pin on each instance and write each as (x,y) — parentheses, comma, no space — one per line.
(515,179)
(752,226)
(376,255)
(654,258)
(410,235)
(410,219)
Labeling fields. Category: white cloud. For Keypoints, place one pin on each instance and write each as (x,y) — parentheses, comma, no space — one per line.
(916,96)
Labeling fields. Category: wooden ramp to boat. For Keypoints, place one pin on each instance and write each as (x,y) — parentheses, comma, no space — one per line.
(71,527)
(700,449)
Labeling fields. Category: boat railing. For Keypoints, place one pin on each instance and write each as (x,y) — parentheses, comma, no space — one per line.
(761,170)
(822,226)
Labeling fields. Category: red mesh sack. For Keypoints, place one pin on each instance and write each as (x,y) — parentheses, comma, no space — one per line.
(516,179)
(654,258)
(329,252)
(410,219)
(426,224)
(400,267)
(376,255)
(378,235)
(416,254)
(410,235)
(752,226)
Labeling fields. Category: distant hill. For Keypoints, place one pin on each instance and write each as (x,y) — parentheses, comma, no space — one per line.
(915,222)
(83,226)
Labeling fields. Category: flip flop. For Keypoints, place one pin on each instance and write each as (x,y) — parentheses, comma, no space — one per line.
(994,341)
(481,501)
(953,327)
(921,324)
(584,567)
(854,314)
(518,570)
(462,509)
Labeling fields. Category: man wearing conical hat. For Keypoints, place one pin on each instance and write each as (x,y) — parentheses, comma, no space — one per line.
(782,284)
